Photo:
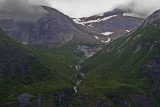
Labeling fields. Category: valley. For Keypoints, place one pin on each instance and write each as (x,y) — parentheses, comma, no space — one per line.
(105,60)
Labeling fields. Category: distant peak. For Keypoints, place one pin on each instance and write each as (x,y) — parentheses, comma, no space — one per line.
(152,18)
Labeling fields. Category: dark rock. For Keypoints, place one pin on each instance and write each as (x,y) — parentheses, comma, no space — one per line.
(153,68)
(23,99)
(143,100)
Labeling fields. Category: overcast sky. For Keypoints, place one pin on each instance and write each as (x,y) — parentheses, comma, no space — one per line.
(82,8)
(31,9)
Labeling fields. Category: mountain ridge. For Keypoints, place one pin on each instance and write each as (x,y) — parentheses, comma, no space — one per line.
(29,77)
(152,18)
(56,27)
(124,73)
(112,24)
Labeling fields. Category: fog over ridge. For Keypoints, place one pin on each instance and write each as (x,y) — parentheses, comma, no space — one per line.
(32,10)
(141,8)
(85,8)
(22,10)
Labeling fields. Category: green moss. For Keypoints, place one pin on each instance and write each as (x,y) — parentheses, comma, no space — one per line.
(47,74)
(65,52)
(117,70)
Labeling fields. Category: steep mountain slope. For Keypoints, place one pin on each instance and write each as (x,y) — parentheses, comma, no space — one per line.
(126,72)
(53,33)
(112,24)
(30,78)
(52,27)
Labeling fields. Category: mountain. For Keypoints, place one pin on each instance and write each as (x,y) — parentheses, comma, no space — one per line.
(126,73)
(54,33)
(112,24)
(52,27)
(31,78)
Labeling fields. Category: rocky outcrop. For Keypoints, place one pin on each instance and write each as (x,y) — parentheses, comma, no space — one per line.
(88,50)
(152,18)
(25,99)
(153,68)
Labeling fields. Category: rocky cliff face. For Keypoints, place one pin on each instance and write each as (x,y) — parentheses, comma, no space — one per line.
(53,26)
(153,68)
(88,51)
(153,18)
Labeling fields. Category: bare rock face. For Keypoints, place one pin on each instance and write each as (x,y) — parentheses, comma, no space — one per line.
(23,99)
(89,51)
(53,26)
(152,18)
(154,65)
(153,68)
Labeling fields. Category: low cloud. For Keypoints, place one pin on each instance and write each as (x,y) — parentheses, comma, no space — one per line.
(31,10)
(85,8)
(22,10)
(141,8)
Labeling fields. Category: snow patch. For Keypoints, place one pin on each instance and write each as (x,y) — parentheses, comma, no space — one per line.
(78,21)
(24,43)
(96,37)
(106,18)
(107,33)
(132,15)
(100,14)
(127,31)
(127,14)
(109,39)
(92,21)
(90,25)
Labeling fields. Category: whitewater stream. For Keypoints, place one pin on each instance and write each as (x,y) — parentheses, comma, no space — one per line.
(78,81)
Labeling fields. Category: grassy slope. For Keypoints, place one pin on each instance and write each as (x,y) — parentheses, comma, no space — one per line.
(51,75)
(65,52)
(115,71)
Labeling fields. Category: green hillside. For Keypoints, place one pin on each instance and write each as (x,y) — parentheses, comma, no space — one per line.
(66,52)
(126,72)
(24,70)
